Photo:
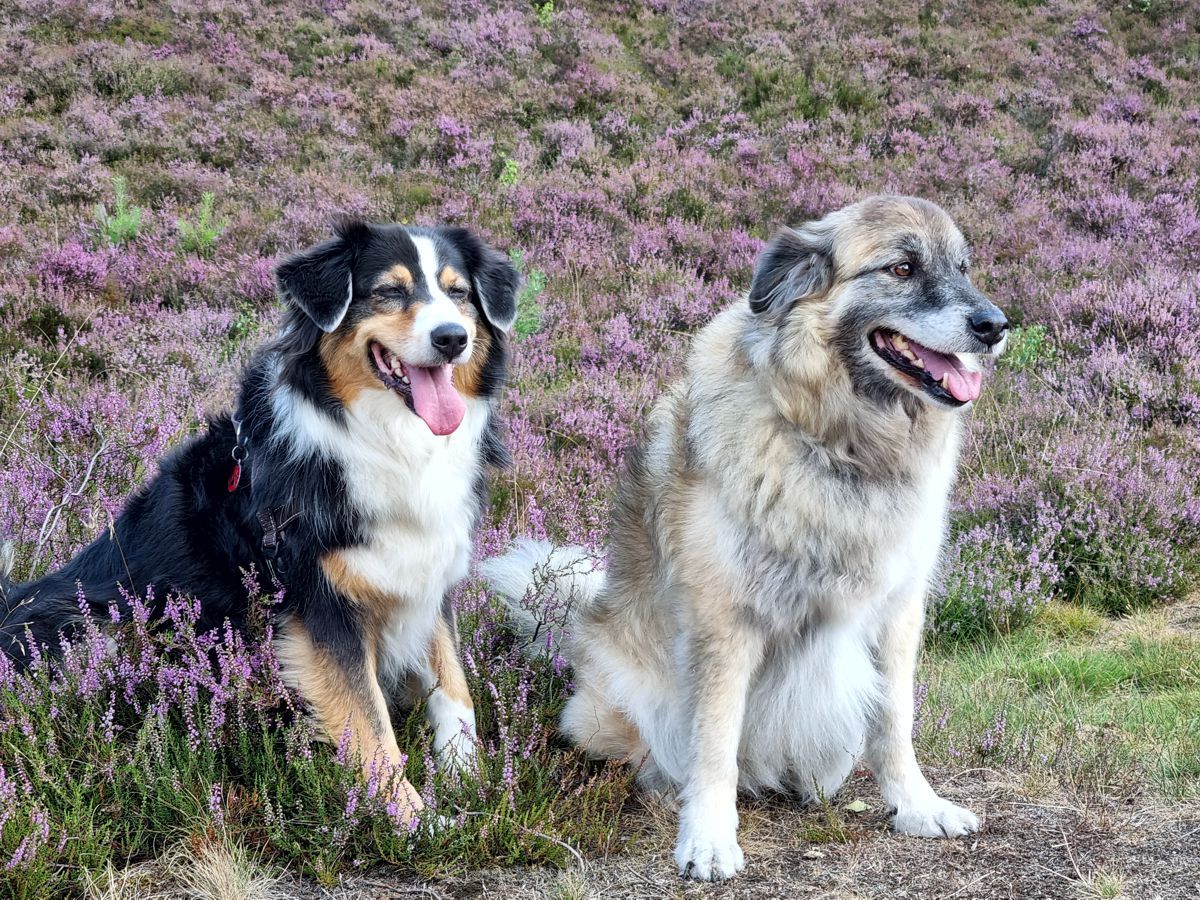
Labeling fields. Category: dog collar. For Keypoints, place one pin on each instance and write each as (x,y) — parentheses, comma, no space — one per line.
(239,455)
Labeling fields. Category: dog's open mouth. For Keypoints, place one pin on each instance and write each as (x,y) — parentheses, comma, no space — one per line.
(427,390)
(942,375)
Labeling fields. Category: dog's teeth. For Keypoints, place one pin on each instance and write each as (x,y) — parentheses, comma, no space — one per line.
(945,382)
(908,354)
(919,363)
(899,342)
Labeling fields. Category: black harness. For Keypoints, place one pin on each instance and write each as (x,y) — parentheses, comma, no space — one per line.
(272,520)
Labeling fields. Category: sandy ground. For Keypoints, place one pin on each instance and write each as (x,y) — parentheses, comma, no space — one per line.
(1043,847)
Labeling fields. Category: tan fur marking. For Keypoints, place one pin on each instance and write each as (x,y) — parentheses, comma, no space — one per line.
(346,365)
(443,660)
(398,275)
(341,700)
(375,604)
(345,352)
(450,277)
(335,699)
(467,376)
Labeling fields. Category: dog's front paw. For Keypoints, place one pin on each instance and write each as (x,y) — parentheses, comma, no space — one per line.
(458,753)
(454,734)
(935,818)
(707,849)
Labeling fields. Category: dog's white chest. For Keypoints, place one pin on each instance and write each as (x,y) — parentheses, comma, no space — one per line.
(907,564)
(414,493)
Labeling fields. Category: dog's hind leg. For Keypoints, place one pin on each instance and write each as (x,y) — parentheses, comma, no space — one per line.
(448,704)
(601,730)
(340,686)
(919,810)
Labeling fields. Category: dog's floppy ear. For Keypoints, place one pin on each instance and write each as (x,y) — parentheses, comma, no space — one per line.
(320,280)
(493,277)
(796,264)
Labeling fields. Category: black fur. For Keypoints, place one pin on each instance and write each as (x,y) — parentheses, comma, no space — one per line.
(318,281)
(186,533)
(494,277)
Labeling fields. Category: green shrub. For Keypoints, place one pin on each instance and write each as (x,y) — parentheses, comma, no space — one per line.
(201,236)
(121,225)
(529,312)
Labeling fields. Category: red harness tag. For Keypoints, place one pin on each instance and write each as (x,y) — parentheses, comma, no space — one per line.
(235,477)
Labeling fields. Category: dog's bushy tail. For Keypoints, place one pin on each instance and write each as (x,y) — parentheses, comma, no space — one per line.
(545,589)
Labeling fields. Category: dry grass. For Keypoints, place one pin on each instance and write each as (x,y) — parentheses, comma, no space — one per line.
(204,868)
(570,886)
(214,869)
(143,882)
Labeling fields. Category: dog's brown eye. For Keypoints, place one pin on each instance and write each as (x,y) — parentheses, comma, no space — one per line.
(962,267)
(902,270)
(458,293)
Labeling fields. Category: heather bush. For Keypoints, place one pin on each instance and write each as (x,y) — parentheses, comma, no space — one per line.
(157,160)
(123,748)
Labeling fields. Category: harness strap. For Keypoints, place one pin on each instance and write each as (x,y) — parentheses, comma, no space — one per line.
(273,522)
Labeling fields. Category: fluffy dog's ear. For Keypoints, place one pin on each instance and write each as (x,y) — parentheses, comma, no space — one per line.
(320,280)
(797,264)
(493,277)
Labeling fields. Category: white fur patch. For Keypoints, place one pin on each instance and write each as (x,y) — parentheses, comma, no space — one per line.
(454,733)
(415,491)
(707,848)
(441,310)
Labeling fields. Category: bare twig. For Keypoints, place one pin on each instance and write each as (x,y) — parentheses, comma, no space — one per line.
(50,523)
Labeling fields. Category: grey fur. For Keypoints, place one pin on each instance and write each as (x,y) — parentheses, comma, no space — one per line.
(774,536)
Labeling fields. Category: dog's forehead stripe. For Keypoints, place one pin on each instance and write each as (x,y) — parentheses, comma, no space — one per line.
(428,263)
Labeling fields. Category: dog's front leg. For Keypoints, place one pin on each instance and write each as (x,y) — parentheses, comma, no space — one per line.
(338,681)
(919,810)
(723,658)
(448,705)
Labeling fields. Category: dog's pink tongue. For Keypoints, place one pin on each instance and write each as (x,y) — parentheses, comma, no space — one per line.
(961,382)
(435,399)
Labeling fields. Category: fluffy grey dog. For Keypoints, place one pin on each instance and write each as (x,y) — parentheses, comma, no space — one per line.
(775,534)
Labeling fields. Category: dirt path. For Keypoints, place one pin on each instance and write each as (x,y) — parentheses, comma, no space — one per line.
(1044,848)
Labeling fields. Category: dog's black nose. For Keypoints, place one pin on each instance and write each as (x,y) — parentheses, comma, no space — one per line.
(988,325)
(449,340)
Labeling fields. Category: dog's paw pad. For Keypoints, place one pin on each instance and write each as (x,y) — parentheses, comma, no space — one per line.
(708,858)
(938,818)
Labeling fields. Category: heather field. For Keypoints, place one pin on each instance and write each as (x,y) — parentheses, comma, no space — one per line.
(156,158)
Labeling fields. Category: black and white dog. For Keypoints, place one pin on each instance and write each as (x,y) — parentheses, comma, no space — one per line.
(353,470)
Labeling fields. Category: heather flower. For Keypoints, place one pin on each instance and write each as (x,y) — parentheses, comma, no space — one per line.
(654,155)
